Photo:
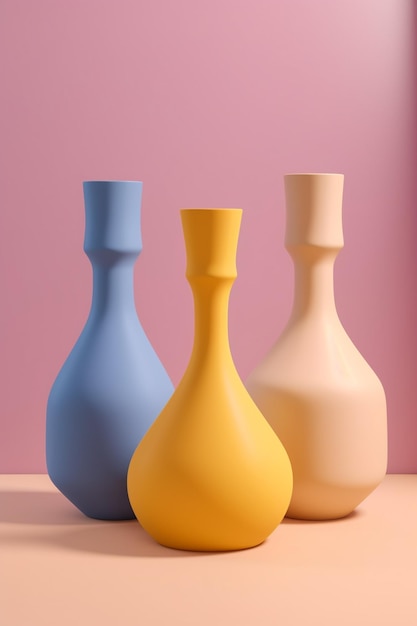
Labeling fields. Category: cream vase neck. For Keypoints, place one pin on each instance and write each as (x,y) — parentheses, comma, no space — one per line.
(313,238)
(314,284)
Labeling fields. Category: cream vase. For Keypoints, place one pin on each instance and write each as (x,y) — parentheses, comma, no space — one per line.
(321,397)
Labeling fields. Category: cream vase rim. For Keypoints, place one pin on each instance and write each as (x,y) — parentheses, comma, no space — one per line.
(314,174)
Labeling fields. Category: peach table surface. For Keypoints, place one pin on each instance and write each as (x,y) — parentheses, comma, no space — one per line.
(58,568)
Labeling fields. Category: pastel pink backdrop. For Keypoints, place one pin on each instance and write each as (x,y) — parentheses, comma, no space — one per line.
(209,103)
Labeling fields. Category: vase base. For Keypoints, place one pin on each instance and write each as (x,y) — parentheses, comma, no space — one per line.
(109,517)
(326,503)
(204,548)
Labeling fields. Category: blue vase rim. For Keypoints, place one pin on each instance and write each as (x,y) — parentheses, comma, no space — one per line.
(112,182)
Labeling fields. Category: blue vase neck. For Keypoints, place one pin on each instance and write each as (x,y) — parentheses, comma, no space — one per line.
(112,242)
(113,292)
(112,216)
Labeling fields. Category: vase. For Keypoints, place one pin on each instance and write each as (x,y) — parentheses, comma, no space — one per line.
(316,390)
(210,474)
(112,385)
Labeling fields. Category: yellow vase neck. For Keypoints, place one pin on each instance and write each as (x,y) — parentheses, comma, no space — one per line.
(211,305)
(211,237)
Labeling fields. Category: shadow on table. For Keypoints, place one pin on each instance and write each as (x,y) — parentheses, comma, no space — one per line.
(347,519)
(37,507)
(119,539)
(70,529)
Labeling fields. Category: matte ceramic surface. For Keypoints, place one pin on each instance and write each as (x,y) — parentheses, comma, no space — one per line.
(112,385)
(210,474)
(316,390)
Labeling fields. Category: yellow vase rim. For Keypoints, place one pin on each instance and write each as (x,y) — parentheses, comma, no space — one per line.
(210,209)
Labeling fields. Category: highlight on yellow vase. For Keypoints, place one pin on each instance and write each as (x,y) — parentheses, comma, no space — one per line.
(210,474)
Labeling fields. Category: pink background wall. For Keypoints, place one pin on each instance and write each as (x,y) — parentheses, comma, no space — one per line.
(209,103)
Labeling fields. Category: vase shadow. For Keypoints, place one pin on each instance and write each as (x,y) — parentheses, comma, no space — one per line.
(75,531)
(38,508)
(126,539)
(347,518)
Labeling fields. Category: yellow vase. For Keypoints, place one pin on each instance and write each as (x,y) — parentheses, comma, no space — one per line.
(210,474)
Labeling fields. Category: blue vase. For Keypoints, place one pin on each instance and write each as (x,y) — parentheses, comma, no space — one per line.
(112,386)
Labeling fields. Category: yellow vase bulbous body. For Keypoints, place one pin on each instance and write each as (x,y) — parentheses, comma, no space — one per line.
(210,474)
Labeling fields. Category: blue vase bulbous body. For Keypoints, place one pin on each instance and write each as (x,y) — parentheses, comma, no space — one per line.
(112,385)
